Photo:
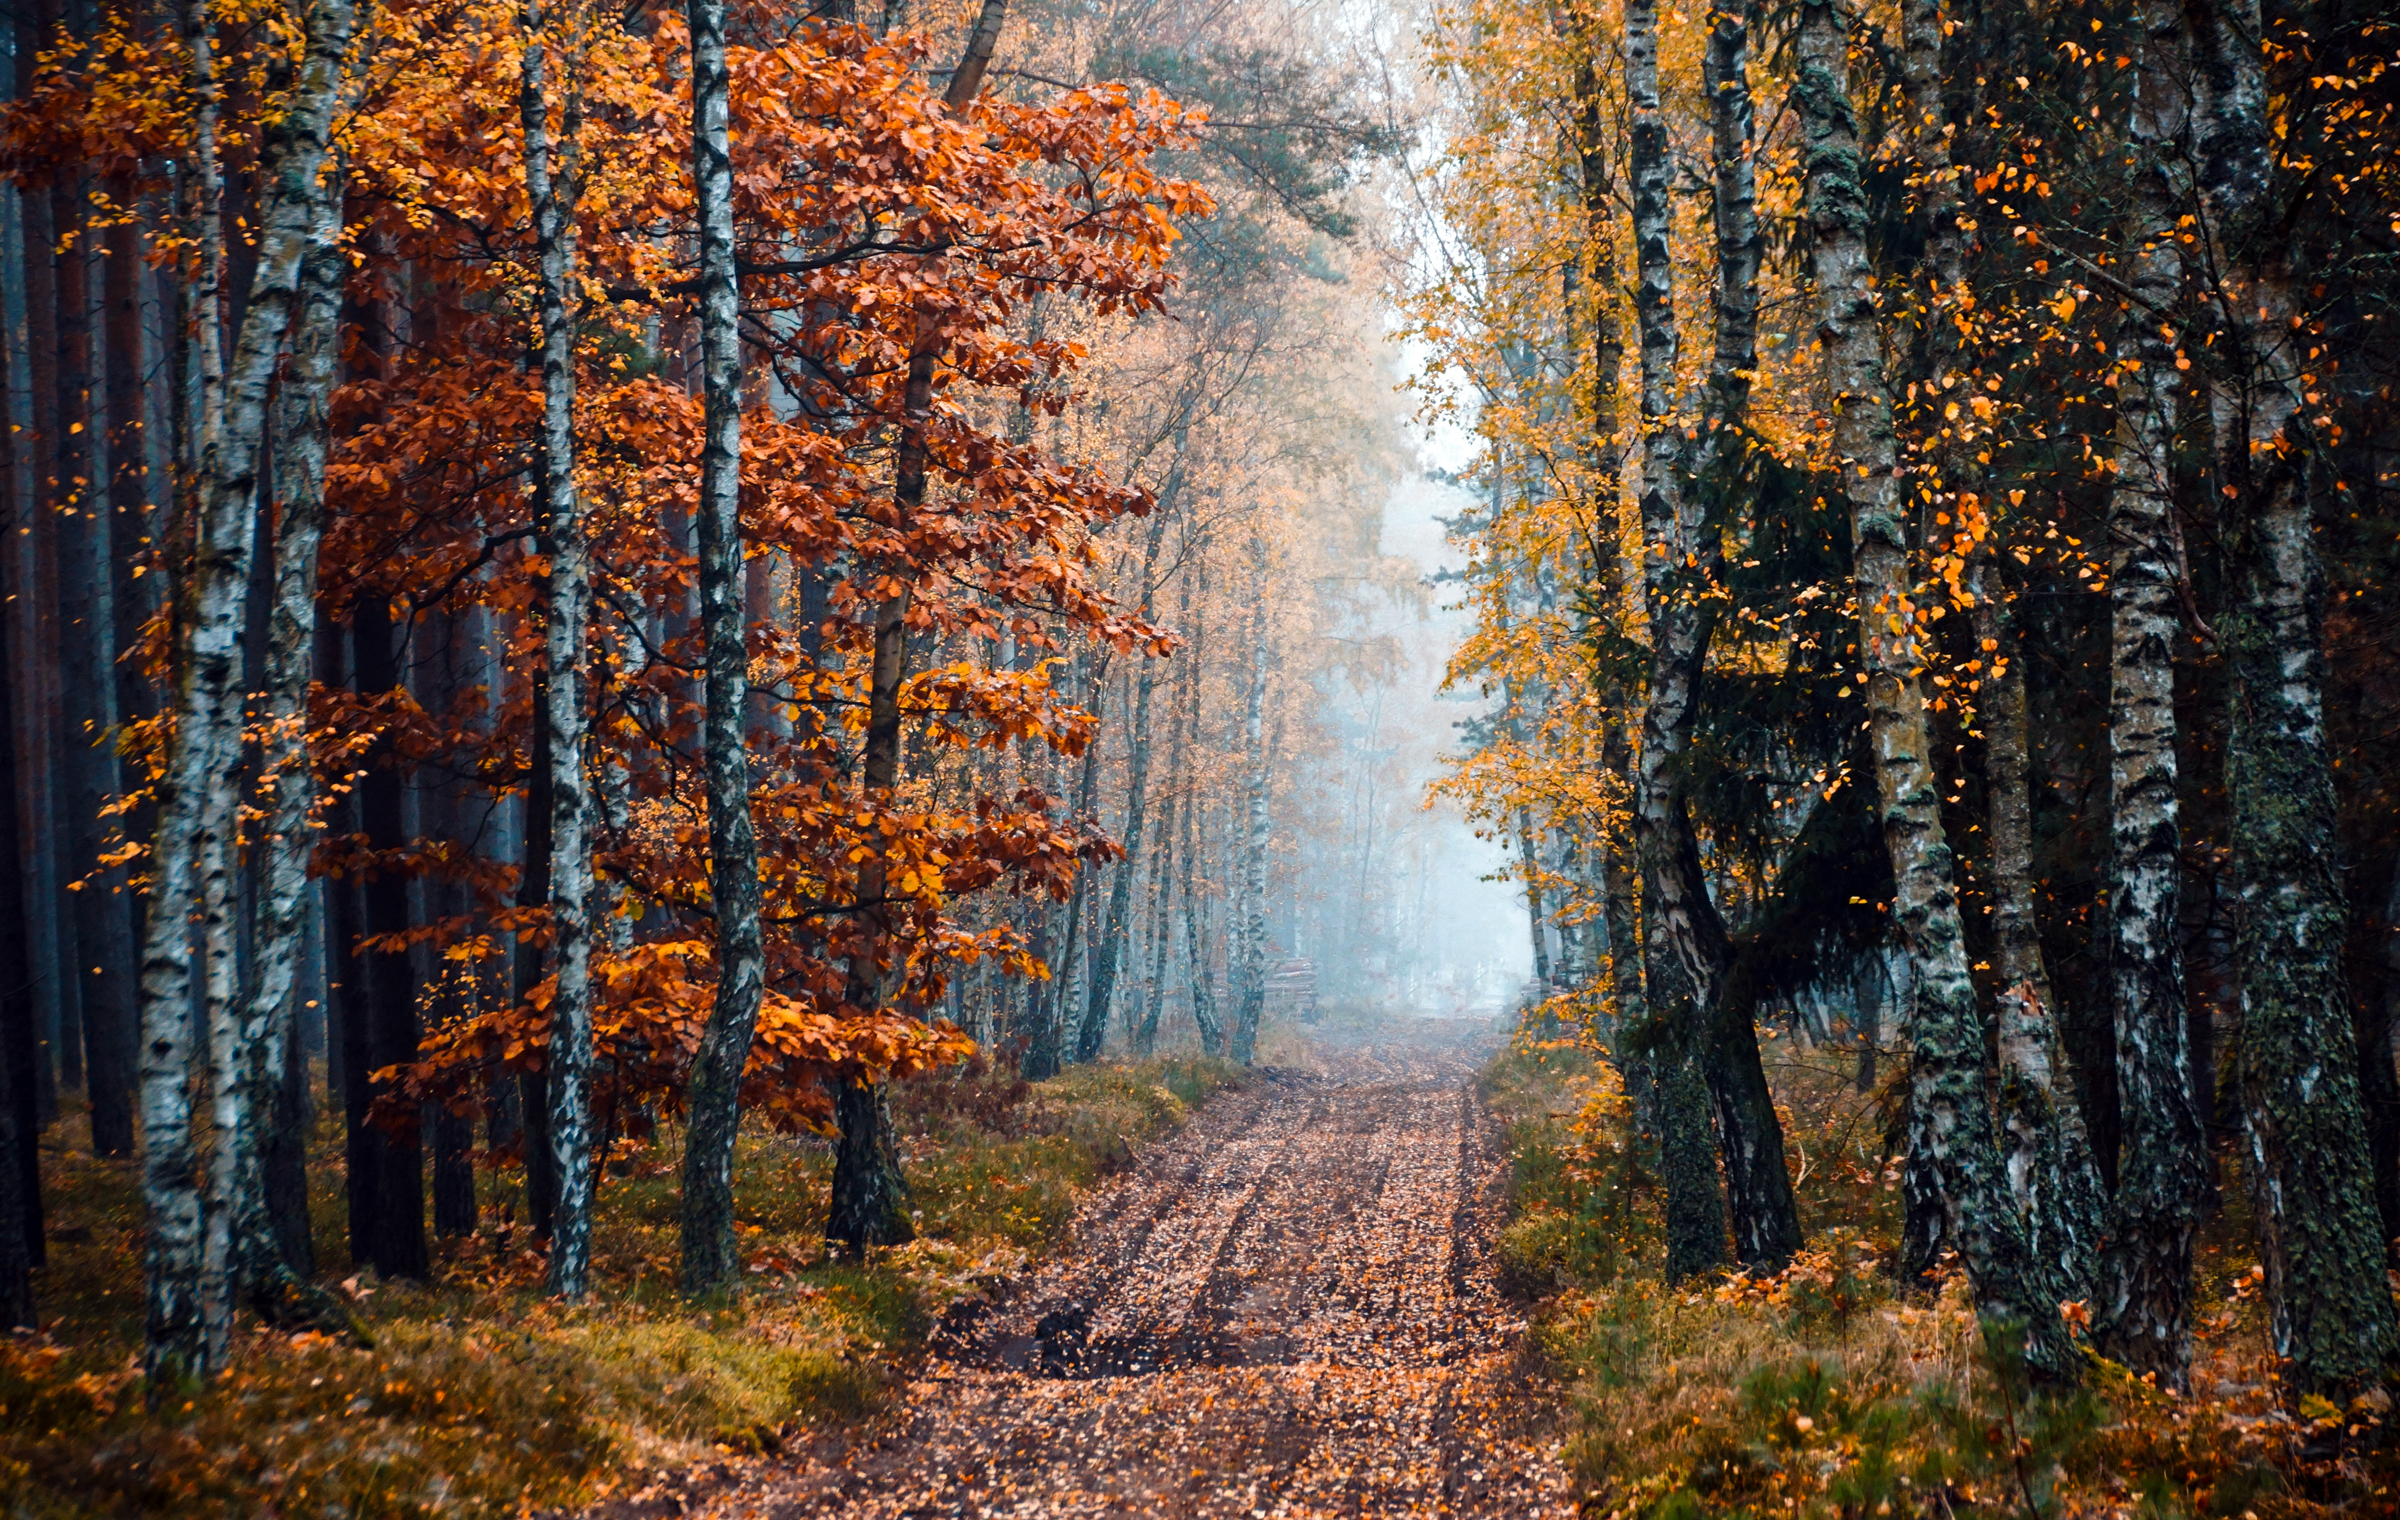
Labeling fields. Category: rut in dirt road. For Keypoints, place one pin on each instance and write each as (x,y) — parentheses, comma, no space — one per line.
(1287,1310)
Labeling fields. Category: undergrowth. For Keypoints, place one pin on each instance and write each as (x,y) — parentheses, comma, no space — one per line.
(1825,1391)
(483,1397)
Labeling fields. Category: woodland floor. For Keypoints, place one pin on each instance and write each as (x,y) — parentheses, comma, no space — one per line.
(1289,1308)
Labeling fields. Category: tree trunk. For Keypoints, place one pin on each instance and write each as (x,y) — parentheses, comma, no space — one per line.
(1137,782)
(261,1234)
(2145,1313)
(1619,908)
(112,1016)
(1162,867)
(553,188)
(1253,967)
(34,603)
(190,1309)
(1537,917)
(20,1184)
(98,928)
(1203,972)
(1951,1131)
(533,891)
(2312,1178)
(2044,1148)
(395,1239)
(2378,1081)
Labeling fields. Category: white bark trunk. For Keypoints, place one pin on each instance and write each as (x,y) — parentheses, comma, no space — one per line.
(190,1304)
(553,187)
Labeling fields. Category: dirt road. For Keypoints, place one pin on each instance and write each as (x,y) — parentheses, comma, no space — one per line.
(1288,1309)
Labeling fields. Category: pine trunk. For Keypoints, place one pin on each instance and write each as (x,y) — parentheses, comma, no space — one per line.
(98,924)
(112,1040)
(31,598)
(1950,1122)
(393,1159)
(20,1213)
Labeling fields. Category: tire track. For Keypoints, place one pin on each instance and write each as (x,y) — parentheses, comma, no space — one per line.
(1286,1310)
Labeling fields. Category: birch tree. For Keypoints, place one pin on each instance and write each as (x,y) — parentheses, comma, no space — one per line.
(1950,1123)
(185,1186)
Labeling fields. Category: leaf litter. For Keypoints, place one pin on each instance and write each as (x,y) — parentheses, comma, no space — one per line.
(1289,1309)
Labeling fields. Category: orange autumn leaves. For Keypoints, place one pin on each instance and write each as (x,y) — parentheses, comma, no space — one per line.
(871,221)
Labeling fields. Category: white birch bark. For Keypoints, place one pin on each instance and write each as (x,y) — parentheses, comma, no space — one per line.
(301,434)
(1252,951)
(185,1184)
(552,184)
(2145,1308)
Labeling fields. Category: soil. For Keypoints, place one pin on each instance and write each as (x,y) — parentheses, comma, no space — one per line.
(1289,1309)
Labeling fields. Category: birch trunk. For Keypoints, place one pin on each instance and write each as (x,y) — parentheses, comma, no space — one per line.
(1253,949)
(176,1347)
(710,1261)
(272,1280)
(2145,1312)
(1537,919)
(190,1307)
(2045,1149)
(553,188)
(1162,870)
(2312,1177)
(1950,1128)
(1203,972)
(1680,969)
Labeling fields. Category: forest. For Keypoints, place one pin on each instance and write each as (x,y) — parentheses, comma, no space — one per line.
(687,692)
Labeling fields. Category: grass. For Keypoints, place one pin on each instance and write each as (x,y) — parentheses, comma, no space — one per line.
(1822,1391)
(483,1397)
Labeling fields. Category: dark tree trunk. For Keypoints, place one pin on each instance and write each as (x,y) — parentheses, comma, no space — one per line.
(395,1155)
(869,1205)
(2379,1091)
(533,891)
(111,1016)
(20,1172)
(34,600)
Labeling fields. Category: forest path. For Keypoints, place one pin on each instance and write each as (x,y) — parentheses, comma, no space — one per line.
(1288,1309)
